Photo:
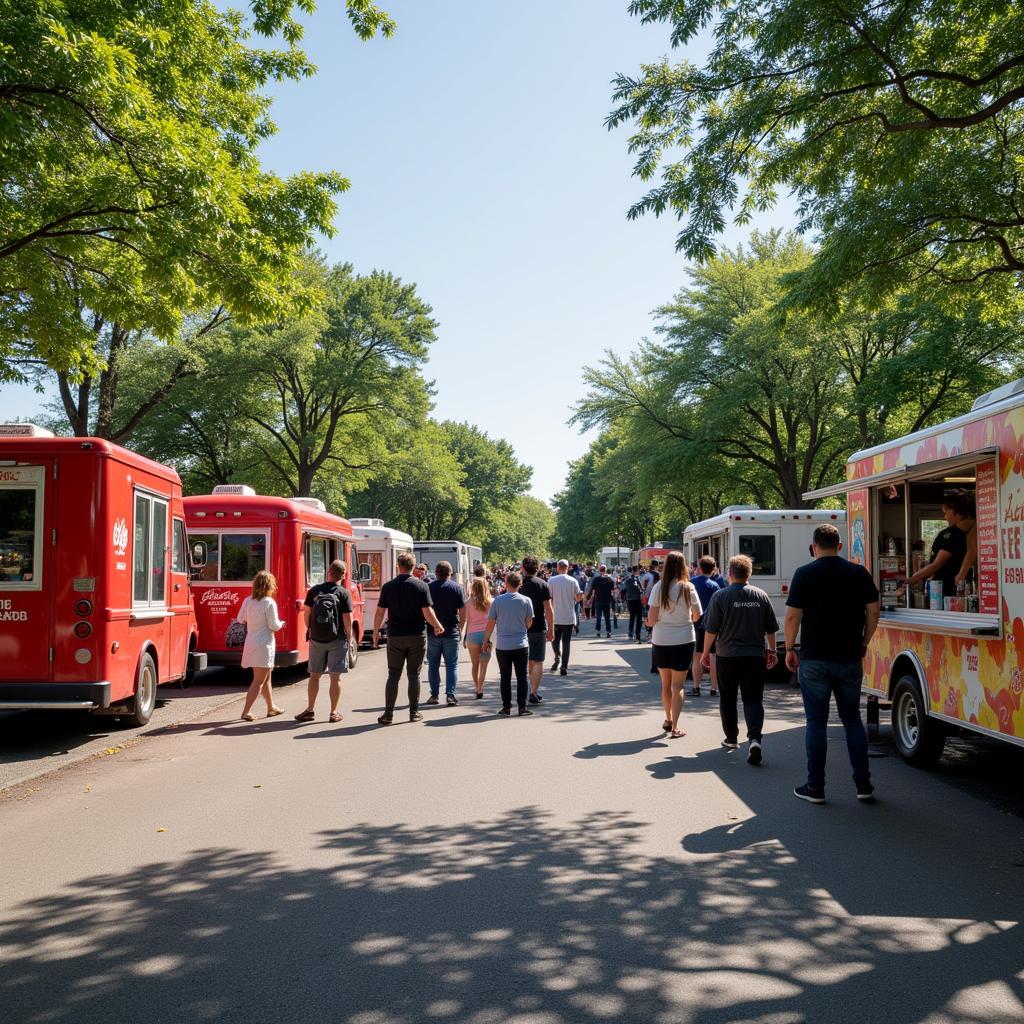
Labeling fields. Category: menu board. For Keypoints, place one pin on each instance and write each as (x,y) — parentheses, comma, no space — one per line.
(375,560)
(857,518)
(988,539)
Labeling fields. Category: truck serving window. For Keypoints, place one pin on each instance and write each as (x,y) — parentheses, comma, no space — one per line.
(149,551)
(760,548)
(19,531)
(316,560)
(242,556)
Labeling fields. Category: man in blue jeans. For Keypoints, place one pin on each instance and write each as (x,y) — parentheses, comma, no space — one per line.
(834,605)
(450,608)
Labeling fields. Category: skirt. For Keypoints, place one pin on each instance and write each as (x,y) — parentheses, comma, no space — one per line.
(677,657)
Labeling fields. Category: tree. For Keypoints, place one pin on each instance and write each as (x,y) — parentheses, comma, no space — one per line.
(131,186)
(525,528)
(899,127)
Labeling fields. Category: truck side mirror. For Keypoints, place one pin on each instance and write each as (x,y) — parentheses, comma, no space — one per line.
(365,572)
(199,554)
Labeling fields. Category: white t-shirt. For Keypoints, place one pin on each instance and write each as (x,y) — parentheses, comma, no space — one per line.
(675,624)
(564,590)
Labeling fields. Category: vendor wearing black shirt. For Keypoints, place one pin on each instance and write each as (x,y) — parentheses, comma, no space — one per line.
(949,549)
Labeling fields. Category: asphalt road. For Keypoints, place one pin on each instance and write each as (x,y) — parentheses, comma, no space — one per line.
(575,866)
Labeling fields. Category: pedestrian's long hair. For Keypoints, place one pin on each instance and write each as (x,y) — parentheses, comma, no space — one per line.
(263,585)
(675,569)
(480,593)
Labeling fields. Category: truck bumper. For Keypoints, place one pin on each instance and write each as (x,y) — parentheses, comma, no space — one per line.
(55,696)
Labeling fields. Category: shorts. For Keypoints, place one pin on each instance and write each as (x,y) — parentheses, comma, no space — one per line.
(677,657)
(538,645)
(475,638)
(332,658)
(700,641)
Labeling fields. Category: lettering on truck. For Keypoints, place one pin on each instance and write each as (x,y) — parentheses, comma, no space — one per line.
(10,614)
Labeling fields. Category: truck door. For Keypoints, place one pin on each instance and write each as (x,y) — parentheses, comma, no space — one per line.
(761,545)
(27,532)
(180,599)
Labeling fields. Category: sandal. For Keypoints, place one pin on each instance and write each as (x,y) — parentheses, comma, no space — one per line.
(677,734)
(274,712)
(248,717)
(305,716)
(335,716)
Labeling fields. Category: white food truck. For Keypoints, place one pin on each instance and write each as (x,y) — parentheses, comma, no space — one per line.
(615,557)
(379,546)
(777,541)
(462,557)
(946,661)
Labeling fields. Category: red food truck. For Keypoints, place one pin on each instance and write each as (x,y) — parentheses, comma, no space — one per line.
(95,603)
(233,534)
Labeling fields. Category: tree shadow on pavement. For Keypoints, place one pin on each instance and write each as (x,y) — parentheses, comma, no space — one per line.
(518,919)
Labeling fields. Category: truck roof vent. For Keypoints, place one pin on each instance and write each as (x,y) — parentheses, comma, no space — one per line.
(23,430)
(367,522)
(311,503)
(234,489)
(1015,387)
(740,508)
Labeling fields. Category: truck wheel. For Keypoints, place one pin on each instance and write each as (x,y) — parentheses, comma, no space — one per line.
(145,693)
(353,651)
(919,739)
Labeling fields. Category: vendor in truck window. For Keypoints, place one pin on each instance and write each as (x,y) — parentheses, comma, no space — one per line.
(954,550)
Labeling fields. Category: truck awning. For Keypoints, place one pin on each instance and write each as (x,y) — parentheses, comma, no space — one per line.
(901,473)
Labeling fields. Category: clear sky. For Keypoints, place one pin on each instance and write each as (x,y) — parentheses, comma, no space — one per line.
(481,170)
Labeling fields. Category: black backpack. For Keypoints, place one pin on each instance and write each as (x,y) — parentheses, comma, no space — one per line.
(632,589)
(325,617)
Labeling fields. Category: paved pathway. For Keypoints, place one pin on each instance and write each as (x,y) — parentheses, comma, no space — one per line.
(576,866)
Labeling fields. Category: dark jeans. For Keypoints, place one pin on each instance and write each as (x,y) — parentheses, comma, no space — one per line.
(741,677)
(507,661)
(605,610)
(819,680)
(448,648)
(404,652)
(636,617)
(561,644)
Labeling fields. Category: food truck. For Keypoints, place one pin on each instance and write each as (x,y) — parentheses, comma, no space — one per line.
(235,533)
(615,557)
(777,541)
(946,662)
(379,547)
(95,604)
(658,550)
(462,557)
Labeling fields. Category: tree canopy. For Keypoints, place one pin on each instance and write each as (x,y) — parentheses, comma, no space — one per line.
(899,127)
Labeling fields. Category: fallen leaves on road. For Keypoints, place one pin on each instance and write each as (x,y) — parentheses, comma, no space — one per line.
(112,750)
(161,830)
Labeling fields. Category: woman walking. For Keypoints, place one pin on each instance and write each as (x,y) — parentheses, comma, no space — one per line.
(476,623)
(259,615)
(673,609)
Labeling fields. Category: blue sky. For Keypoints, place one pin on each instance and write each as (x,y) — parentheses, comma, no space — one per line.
(481,170)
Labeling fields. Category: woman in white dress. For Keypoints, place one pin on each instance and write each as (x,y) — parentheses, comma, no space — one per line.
(259,614)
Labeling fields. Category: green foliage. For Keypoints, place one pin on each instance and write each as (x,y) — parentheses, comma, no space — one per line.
(899,128)
(526,527)
(129,180)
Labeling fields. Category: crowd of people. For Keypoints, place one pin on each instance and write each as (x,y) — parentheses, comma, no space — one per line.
(697,621)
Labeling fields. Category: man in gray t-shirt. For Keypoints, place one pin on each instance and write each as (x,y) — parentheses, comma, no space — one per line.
(741,621)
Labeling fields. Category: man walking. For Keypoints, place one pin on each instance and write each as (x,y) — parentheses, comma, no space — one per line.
(542,629)
(407,602)
(511,615)
(741,621)
(328,615)
(833,604)
(633,593)
(600,589)
(450,608)
(706,589)
(565,602)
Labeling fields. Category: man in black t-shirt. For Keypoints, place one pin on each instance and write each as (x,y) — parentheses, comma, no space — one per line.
(407,603)
(543,626)
(328,655)
(600,590)
(833,604)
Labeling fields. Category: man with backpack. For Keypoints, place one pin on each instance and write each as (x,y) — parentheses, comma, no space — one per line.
(328,615)
(633,593)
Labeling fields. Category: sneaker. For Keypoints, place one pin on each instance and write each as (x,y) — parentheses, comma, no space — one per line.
(554,668)
(730,745)
(525,711)
(384,719)
(505,711)
(535,698)
(479,696)
(812,796)
(415,716)
(451,700)
(754,752)
(866,792)
(563,672)
(432,700)
(608,636)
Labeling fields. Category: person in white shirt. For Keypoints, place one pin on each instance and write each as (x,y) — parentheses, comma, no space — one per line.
(565,598)
(673,609)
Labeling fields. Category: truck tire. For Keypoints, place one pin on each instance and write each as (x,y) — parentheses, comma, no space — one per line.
(145,693)
(919,739)
(353,650)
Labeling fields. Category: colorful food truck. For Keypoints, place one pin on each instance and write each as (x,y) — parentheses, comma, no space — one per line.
(95,604)
(379,546)
(233,534)
(777,541)
(946,660)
